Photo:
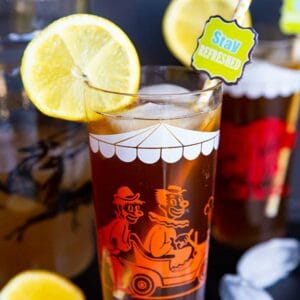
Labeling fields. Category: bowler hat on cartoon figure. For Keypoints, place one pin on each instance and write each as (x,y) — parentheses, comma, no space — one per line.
(128,204)
(125,195)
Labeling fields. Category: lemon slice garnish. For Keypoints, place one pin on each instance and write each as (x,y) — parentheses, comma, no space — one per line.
(75,49)
(40,285)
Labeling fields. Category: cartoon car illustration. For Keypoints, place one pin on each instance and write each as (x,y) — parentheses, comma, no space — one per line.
(164,261)
(149,273)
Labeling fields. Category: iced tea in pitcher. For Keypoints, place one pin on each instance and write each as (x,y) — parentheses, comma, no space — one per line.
(45,191)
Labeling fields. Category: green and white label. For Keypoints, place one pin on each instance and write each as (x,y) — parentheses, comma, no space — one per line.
(224,49)
(290,17)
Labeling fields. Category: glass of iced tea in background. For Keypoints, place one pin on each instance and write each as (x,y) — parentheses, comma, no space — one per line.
(258,135)
(153,169)
(45,202)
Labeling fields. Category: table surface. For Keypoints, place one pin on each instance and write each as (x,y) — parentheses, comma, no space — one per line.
(221,260)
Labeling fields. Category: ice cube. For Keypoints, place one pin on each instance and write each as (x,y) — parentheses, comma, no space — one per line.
(168,94)
(157,111)
(150,114)
(233,287)
(175,110)
(266,263)
(164,88)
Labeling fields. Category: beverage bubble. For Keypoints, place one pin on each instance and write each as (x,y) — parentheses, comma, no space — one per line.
(262,79)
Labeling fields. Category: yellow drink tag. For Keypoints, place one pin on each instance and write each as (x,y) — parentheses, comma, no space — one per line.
(224,49)
(290,17)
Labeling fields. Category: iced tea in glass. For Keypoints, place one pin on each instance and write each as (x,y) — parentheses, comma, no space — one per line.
(153,168)
(258,135)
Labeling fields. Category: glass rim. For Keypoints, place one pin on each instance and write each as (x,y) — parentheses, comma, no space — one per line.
(166,98)
(216,85)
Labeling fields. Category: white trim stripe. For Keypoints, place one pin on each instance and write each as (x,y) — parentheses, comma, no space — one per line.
(152,143)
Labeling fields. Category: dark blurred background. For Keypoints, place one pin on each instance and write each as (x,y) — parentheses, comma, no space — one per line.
(141,20)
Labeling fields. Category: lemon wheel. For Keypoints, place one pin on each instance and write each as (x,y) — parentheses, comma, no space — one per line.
(40,285)
(72,51)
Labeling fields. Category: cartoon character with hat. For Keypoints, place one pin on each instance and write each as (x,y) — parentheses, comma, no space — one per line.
(116,234)
(163,238)
(115,237)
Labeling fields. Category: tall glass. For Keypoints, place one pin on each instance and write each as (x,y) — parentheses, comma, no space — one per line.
(45,200)
(153,170)
(45,203)
(258,135)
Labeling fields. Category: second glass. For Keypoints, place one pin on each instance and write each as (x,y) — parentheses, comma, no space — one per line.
(153,170)
(258,135)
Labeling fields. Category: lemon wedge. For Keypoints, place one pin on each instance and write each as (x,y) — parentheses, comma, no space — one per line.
(40,285)
(184,21)
(74,50)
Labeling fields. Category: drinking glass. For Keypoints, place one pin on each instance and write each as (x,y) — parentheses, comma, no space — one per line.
(259,123)
(153,169)
(45,200)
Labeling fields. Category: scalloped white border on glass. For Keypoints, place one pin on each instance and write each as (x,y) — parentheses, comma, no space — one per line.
(262,79)
(149,144)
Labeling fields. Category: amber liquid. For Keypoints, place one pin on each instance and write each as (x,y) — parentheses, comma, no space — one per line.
(249,167)
(45,201)
(196,177)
